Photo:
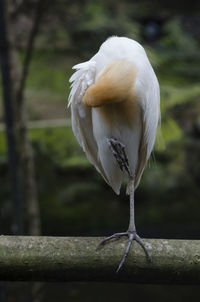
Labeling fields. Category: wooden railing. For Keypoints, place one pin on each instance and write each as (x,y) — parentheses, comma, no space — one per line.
(78,259)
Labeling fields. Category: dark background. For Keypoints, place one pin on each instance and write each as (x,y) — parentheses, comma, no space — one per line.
(73,198)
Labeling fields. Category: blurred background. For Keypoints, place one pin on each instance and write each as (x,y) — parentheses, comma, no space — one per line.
(47,186)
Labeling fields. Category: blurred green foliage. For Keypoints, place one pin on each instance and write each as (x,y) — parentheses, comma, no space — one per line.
(73,197)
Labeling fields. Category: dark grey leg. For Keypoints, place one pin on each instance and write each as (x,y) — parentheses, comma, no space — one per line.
(118,150)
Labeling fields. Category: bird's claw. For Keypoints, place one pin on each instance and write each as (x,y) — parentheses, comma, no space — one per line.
(132,236)
(114,236)
(118,151)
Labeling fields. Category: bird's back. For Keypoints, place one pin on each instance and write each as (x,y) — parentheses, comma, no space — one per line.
(115,48)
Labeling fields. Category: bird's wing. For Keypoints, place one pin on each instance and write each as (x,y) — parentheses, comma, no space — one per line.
(150,119)
(81,115)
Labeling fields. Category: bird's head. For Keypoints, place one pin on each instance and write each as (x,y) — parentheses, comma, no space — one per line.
(114,84)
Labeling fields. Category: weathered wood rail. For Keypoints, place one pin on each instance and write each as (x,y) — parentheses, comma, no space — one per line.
(77,259)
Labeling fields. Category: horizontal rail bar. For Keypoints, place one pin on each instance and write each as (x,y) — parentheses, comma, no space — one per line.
(24,258)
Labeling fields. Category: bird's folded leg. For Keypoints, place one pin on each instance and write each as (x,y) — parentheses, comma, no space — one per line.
(118,150)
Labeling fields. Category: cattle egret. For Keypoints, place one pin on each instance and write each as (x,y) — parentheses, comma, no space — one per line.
(115,109)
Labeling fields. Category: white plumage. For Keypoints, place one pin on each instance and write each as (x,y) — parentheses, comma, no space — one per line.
(116,95)
(87,123)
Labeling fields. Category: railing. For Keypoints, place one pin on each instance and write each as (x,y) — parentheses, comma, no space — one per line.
(77,259)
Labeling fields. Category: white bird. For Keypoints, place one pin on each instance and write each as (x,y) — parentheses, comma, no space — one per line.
(115,110)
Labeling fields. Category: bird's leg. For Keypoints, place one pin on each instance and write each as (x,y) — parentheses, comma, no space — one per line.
(118,150)
(131,232)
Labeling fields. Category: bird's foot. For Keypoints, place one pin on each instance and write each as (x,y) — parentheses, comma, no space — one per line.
(131,236)
(118,151)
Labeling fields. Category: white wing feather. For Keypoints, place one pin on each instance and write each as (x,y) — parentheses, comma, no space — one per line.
(151,115)
(81,115)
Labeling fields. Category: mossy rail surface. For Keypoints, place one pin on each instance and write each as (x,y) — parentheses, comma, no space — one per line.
(72,259)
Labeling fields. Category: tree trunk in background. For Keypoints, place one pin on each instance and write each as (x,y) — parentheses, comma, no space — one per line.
(32,212)
(26,162)
(18,79)
(8,101)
